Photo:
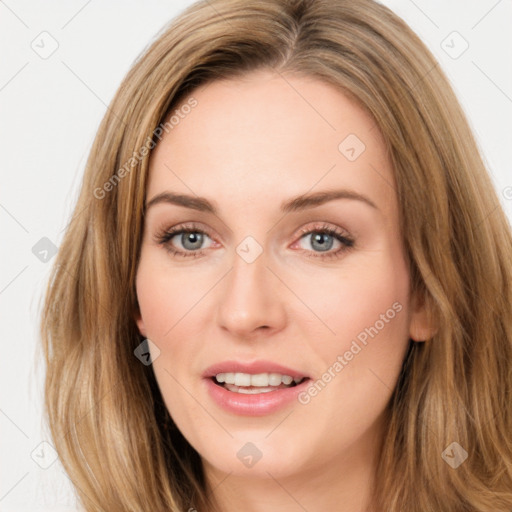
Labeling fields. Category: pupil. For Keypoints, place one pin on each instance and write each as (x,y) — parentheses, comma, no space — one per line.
(320,238)
(195,239)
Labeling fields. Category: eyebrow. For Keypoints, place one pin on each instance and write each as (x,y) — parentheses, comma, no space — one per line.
(294,204)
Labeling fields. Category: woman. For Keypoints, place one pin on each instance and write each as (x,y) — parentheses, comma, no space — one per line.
(287,283)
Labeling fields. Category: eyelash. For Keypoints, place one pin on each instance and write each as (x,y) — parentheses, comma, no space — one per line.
(165,236)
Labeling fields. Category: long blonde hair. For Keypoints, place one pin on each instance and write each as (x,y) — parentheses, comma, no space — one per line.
(104,408)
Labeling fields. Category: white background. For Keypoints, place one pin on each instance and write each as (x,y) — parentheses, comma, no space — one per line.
(50,109)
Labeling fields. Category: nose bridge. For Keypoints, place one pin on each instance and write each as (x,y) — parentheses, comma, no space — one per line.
(250,298)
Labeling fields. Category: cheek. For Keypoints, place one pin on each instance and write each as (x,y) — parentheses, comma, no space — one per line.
(165,296)
(357,299)
(364,313)
(166,301)
(367,310)
(173,306)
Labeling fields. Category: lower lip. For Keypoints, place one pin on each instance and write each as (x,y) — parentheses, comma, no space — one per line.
(258,404)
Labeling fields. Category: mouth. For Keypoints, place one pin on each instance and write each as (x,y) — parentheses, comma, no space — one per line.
(254,388)
(252,384)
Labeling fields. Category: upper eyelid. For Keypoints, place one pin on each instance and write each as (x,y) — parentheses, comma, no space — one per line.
(301,232)
(197,226)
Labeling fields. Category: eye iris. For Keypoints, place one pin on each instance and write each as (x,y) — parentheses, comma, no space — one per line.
(320,238)
(196,240)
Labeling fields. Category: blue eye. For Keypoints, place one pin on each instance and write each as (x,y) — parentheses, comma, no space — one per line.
(195,239)
(322,240)
(191,238)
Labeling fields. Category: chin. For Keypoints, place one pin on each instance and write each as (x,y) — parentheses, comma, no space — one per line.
(256,454)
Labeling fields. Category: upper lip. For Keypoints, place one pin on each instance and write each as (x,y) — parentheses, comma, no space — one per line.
(253,367)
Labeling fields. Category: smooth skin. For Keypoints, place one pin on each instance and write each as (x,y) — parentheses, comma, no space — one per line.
(249,145)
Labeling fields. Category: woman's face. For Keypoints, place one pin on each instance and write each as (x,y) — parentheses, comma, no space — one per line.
(293,268)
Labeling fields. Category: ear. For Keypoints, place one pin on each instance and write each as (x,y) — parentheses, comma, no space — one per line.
(140,322)
(422,325)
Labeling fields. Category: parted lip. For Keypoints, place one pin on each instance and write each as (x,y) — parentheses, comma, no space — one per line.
(252,367)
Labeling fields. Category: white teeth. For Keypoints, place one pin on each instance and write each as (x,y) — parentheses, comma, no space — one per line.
(274,379)
(242,379)
(262,380)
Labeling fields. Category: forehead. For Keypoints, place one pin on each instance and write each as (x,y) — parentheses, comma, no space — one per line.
(271,136)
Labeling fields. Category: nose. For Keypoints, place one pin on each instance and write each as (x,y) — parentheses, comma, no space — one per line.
(251,300)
